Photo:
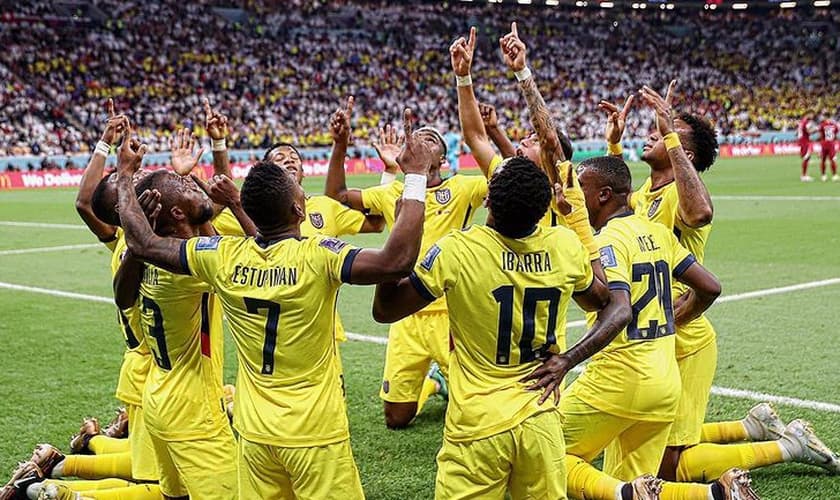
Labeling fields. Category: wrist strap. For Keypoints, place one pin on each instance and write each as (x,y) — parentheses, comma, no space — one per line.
(615,149)
(523,74)
(218,144)
(463,81)
(387,178)
(415,188)
(102,148)
(672,141)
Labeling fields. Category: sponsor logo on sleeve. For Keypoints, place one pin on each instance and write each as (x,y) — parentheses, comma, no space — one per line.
(608,257)
(429,260)
(333,244)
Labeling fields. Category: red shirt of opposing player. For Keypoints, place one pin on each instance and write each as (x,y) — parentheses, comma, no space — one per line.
(828,134)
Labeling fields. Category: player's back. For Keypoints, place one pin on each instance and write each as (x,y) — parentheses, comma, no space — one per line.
(828,130)
(279,298)
(507,300)
(636,375)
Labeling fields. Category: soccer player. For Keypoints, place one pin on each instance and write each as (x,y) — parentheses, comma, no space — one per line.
(507,314)
(803,131)
(415,342)
(278,291)
(828,136)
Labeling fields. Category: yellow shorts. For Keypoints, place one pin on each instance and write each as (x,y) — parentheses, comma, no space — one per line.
(632,447)
(528,460)
(201,468)
(298,473)
(144,467)
(413,343)
(697,371)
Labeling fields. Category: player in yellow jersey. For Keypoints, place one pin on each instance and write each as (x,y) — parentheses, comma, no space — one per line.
(278,291)
(477,136)
(417,341)
(501,434)
(675,196)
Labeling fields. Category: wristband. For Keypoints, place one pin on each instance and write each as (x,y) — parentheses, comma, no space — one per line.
(672,141)
(218,144)
(463,81)
(615,149)
(102,148)
(523,74)
(415,187)
(387,178)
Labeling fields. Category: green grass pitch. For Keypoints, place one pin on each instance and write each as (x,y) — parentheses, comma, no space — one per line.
(60,356)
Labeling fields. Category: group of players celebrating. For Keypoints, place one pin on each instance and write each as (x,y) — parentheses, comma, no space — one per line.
(486,303)
(827,131)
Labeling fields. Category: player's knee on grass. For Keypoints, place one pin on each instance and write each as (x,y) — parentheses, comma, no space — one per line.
(399,415)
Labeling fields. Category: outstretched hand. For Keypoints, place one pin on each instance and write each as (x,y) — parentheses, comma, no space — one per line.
(461,54)
(549,377)
(513,49)
(416,157)
(662,107)
(182,144)
(616,119)
(388,146)
(340,122)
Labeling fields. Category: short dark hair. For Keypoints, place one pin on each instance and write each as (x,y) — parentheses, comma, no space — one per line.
(268,194)
(155,180)
(103,202)
(612,170)
(519,195)
(280,145)
(703,141)
(565,143)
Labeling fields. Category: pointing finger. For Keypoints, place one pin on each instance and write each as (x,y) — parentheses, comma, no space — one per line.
(350,101)
(513,29)
(111,112)
(471,43)
(627,104)
(669,94)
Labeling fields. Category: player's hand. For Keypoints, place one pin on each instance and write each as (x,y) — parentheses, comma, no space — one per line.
(488,115)
(461,54)
(616,119)
(415,157)
(150,203)
(388,146)
(662,107)
(513,49)
(222,191)
(115,125)
(215,122)
(340,122)
(182,143)
(569,195)
(548,377)
(129,155)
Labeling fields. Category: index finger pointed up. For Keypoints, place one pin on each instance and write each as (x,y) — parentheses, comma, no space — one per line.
(471,43)
(627,104)
(669,95)
(350,101)
(111,112)
(207,110)
(407,125)
(513,30)
(570,180)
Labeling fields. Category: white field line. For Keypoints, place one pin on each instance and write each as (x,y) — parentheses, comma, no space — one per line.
(775,198)
(50,249)
(48,225)
(721,391)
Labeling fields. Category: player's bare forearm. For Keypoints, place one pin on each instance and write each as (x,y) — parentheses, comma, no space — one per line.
(92,176)
(611,320)
(248,226)
(221,164)
(336,183)
(472,126)
(705,289)
(695,207)
(597,295)
(396,259)
(550,150)
(127,281)
(394,301)
(141,240)
(373,224)
(503,144)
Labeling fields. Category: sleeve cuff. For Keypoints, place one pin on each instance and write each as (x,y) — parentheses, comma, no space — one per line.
(619,285)
(347,266)
(684,265)
(581,292)
(420,287)
(184,261)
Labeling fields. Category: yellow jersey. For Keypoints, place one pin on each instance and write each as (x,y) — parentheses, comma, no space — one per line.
(279,298)
(182,323)
(506,309)
(636,375)
(552,217)
(137,359)
(662,205)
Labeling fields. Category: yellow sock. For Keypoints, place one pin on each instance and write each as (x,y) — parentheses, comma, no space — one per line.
(104,445)
(429,388)
(724,432)
(585,481)
(97,484)
(707,462)
(685,491)
(98,466)
(135,492)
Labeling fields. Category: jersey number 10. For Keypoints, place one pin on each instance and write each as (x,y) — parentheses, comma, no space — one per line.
(531,297)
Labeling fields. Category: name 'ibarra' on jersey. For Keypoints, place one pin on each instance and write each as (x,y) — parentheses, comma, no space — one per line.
(275,276)
(535,262)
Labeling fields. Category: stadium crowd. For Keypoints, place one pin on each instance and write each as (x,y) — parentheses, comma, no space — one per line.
(746,71)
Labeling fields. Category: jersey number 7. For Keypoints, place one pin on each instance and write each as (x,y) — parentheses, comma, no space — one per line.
(253,306)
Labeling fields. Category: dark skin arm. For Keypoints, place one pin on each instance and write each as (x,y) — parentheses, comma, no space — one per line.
(705,289)
(336,183)
(217,128)
(394,301)
(496,132)
(373,224)
(127,281)
(224,193)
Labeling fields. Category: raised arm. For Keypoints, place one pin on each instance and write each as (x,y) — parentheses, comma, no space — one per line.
(216,125)
(336,184)
(514,52)
(704,290)
(114,128)
(695,206)
(495,131)
(472,126)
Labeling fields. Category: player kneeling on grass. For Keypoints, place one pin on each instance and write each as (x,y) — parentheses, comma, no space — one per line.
(508,285)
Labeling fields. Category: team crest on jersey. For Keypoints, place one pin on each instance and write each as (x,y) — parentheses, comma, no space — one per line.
(317,220)
(608,257)
(429,259)
(443,196)
(654,207)
(207,243)
(333,244)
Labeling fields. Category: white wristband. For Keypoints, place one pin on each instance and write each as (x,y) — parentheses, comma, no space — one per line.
(387,178)
(523,74)
(218,144)
(415,187)
(102,148)
(463,81)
